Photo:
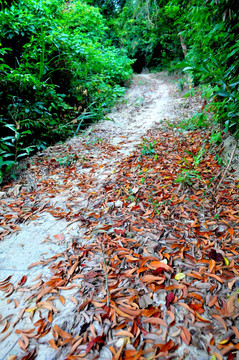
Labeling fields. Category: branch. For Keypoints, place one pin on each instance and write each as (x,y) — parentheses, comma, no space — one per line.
(226,170)
(106,276)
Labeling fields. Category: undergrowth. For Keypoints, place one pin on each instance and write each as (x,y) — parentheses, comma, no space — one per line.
(58,71)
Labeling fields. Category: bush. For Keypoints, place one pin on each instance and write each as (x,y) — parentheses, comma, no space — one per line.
(56,65)
(213,58)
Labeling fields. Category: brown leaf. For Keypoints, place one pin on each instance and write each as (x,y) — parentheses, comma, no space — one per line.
(233,305)
(97,340)
(131,311)
(61,332)
(120,312)
(53,344)
(158,264)
(151,278)
(59,237)
(155,321)
(185,335)
(221,321)
(62,299)
(124,333)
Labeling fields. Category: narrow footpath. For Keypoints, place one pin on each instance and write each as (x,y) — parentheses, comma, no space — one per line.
(119,243)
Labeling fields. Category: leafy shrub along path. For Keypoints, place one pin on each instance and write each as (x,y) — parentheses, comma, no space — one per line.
(145,265)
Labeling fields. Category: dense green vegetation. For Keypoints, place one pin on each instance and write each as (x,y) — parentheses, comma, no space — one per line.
(58,69)
(63,64)
(210,31)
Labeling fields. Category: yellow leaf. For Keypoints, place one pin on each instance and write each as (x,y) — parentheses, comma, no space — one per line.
(222,342)
(180,276)
(32,309)
(227,262)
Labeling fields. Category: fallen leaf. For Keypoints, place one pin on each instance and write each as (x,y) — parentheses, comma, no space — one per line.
(97,340)
(59,237)
(179,276)
(169,298)
(185,335)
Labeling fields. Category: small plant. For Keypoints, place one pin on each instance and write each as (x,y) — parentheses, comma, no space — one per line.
(187,177)
(216,138)
(181,84)
(218,159)
(197,158)
(141,82)
(95,141)
(67,160)
(145,172)
(148,148)
(208,182)
(190,92)
(139,102)
(12,149)
(131,198)
(198,121)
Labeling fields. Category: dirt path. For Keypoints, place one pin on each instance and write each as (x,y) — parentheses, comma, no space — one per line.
(56,210)
(147,102)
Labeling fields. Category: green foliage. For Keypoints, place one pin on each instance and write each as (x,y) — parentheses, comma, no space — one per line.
(148,148)
(198,157)
(12,148)
(197,121)
(67,160)
(209,30)
(187,177)
(58,70)
(181,84)
(216,137)
(146,31)
(108,8)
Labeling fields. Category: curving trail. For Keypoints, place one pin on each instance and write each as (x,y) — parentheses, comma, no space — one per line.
(42,192)
(73,211)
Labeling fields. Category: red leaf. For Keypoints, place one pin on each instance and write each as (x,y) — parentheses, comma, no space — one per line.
(169,298)
(158,271)
(215,255)
(144,332)
(119,232)
(97,340)
(23,280)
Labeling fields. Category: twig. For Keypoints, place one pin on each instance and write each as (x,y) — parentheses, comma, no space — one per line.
(226,170)
(106,276)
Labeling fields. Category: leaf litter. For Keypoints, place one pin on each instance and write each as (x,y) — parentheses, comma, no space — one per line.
(157,274)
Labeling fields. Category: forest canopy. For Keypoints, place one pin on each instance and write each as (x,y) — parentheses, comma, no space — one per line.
(64,64)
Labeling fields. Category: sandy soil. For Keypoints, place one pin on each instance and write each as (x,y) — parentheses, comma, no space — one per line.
(151,100)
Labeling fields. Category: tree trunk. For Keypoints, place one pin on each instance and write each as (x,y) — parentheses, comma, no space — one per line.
(184,47)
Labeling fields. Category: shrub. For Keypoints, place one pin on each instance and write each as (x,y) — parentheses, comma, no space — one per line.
(56,64)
